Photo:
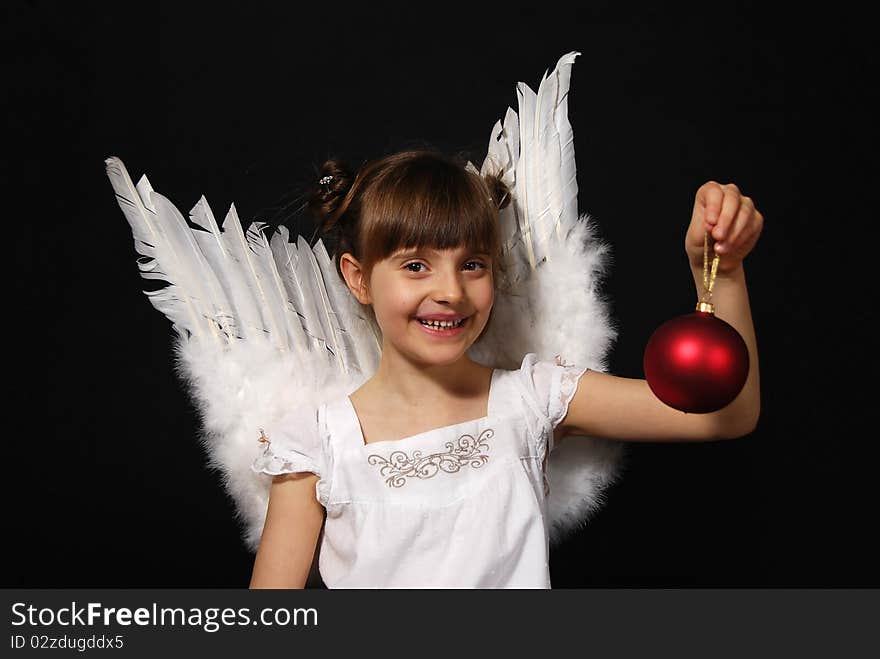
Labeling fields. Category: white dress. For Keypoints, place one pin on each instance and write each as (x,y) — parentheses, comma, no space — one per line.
(463,506)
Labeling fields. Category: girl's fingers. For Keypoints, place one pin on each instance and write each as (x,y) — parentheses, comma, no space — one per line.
(751,234)
(729,216)
(736,231)
(730,206)
(710,196)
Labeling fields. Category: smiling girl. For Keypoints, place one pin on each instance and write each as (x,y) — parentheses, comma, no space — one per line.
(433,473)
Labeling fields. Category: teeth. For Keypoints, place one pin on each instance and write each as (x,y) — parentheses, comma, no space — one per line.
(441,323)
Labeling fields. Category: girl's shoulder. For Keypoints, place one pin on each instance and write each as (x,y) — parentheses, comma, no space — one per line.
(299,420)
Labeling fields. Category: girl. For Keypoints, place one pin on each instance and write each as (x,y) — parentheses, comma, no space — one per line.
(432,474)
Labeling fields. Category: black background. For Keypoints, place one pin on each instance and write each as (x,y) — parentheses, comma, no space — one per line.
(106,484)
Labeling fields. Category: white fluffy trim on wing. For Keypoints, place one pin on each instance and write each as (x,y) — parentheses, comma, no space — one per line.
(237,390)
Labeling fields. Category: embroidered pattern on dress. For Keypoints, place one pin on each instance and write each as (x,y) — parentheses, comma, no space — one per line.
(464,451)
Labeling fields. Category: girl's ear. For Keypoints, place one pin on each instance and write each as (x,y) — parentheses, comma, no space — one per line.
(355,277)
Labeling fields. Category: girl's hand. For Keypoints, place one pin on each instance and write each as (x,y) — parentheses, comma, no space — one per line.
(730,218)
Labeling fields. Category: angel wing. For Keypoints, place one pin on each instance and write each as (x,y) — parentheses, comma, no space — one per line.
(252,315)
(255,314)
(550,248)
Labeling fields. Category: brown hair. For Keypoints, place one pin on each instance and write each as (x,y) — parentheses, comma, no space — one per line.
(411,199)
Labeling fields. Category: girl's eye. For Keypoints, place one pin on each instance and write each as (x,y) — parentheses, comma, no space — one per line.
(410,266)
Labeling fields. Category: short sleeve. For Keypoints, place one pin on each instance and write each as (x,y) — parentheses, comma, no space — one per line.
(291,445)
(552,385)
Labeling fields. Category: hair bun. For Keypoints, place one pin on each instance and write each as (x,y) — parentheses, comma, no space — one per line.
(333,182)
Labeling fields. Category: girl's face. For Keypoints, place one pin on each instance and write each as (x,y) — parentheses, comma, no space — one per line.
(411,288)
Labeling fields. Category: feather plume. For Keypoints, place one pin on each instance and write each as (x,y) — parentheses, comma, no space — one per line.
(247,318)
(246,252)
(327,319)
(286,257)
(194,300)
(526,198)
(275,292)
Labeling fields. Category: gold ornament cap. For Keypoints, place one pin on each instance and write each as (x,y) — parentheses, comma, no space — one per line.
(706,307)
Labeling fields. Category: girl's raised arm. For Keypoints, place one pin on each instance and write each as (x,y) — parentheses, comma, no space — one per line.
(623,408)
(290,534)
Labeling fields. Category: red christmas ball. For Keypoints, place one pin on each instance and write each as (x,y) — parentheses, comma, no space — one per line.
(696,363)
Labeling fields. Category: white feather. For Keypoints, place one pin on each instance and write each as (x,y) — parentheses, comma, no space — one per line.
(567,175)
(330,330)
(194,301)
(248,320)
(526,197)
(357,326)
(309,298)
(286,257)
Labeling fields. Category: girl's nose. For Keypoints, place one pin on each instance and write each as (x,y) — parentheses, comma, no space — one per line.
(449,288)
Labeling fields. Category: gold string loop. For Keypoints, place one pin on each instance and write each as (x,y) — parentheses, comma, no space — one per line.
(705,303)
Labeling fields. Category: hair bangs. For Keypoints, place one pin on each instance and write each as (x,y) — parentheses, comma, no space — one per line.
(428,202)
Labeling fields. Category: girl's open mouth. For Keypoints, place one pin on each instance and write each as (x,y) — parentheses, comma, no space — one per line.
(442,329)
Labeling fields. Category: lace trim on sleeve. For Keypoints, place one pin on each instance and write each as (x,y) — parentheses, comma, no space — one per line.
(282,460)
(563,388)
